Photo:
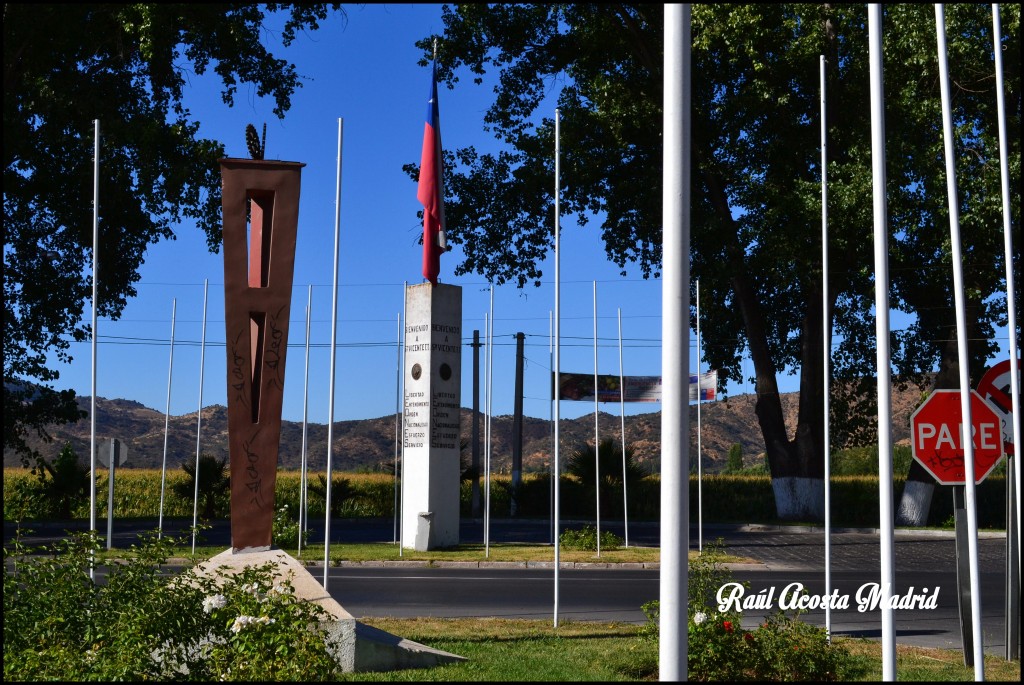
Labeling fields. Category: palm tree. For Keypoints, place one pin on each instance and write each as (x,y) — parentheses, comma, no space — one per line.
(341,491)
(581,465)
(214,481)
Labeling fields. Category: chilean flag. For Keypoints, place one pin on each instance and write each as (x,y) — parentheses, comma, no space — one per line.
(430,188)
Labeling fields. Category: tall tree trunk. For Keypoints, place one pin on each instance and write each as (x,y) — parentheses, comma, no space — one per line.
(797,465)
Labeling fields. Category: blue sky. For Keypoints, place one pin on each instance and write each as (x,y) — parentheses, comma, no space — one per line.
(364,70)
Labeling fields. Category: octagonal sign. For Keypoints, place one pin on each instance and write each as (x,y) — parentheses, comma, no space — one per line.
(936,434)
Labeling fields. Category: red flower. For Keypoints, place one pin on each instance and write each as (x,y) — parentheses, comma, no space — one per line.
(748,637)
(727,625)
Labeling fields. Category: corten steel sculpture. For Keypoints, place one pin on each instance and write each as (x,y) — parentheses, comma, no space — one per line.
(260,203)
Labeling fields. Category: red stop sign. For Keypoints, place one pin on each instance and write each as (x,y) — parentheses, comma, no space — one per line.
(937,438)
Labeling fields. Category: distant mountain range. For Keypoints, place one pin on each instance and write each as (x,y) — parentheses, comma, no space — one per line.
(369,444)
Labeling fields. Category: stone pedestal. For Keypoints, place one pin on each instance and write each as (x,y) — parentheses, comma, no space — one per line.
(433,382)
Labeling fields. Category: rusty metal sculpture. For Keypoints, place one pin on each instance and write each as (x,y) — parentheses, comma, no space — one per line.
(260,203)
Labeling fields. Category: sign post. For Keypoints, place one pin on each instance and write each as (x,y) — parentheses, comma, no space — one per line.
(113,454)
(998,387)
(937,443)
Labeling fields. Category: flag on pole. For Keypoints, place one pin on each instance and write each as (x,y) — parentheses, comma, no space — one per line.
(706,386)
(430,188)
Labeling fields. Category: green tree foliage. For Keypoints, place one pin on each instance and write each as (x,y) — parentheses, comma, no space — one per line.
(214,485)
(126,66)
(734,460)
(756,194)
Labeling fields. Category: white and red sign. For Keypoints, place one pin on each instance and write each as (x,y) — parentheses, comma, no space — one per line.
(937,442)
(994,387)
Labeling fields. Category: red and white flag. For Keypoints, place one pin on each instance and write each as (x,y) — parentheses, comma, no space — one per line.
(703,385)
(431,186)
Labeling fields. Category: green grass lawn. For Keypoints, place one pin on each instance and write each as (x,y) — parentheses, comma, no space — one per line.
(529,650)
(469,552)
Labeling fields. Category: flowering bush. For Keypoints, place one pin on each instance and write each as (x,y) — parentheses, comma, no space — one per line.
(782,648)
(285,530)
(261,631)
(142,624)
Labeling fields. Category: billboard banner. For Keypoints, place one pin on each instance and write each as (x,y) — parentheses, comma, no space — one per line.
(580,387)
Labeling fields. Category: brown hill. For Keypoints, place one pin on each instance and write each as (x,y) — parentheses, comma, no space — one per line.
(369,444)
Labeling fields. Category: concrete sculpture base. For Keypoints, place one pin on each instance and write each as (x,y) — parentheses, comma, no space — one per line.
(362,647)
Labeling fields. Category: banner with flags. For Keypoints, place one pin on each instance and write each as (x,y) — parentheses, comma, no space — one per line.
(580,387)
(706,386)
(431,185)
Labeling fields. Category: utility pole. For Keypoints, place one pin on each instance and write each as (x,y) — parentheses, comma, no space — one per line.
(517,428)
(476,424)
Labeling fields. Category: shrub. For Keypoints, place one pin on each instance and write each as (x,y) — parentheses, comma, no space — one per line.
(260,631)
(144,625)
(585,539)
(285,530)
(782,648)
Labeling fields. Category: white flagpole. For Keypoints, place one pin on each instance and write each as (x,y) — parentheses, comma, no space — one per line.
(487,424)
(700,492)
(826,337)
(1011,308)
(675,346)
(558,360)
(95,284)
(167,423)
(303,510)
(597,439)
(398,399)
(401,491)
(551,419)
(970,494)
(490,394)
(885,496)
(622,432)
(199,416)
(334,355)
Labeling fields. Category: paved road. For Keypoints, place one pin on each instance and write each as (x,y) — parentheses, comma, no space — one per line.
(776,548)
(784,556)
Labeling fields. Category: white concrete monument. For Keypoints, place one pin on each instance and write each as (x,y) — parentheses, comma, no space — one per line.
(433,382)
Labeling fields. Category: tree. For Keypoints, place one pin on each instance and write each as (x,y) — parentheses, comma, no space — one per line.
(756,213)
(126,66)
(734,461)
(64,483)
